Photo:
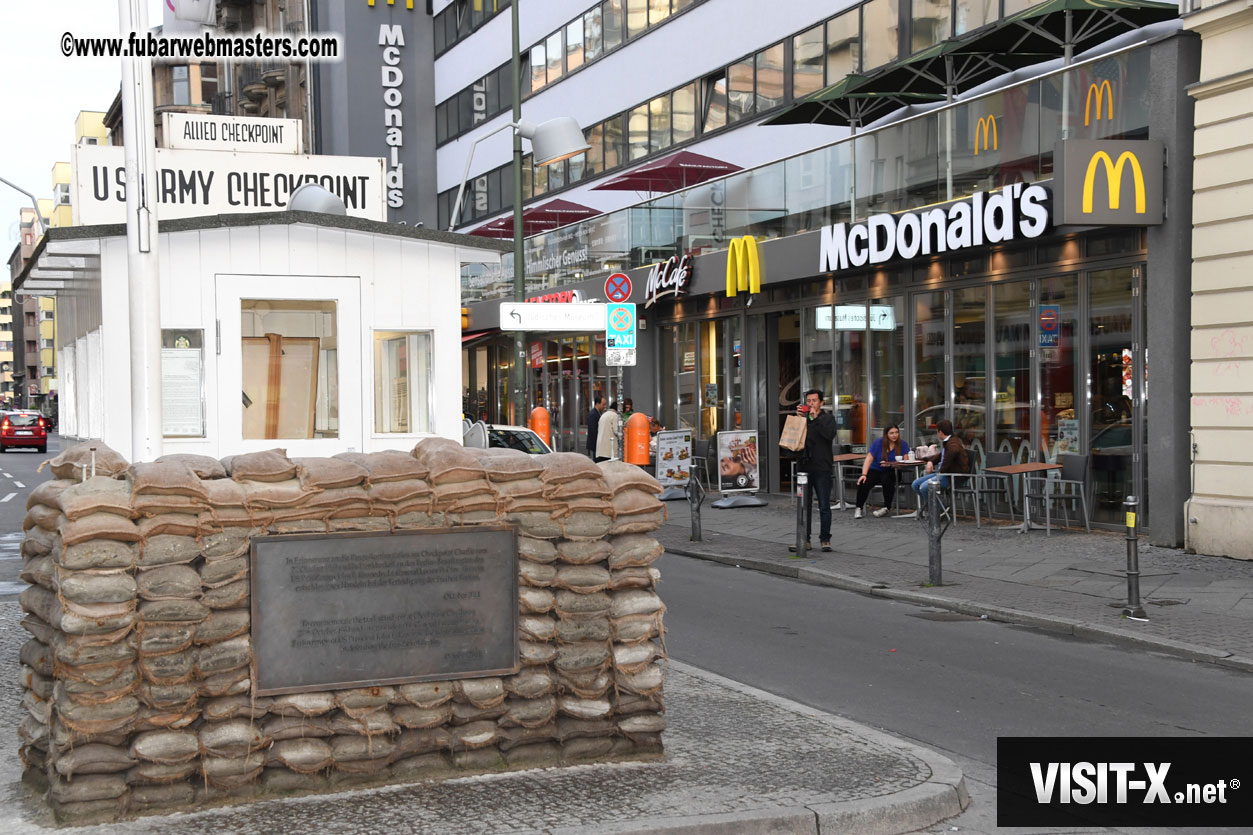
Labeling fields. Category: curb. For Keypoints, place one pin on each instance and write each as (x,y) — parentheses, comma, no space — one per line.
(943,795)
(1002,614)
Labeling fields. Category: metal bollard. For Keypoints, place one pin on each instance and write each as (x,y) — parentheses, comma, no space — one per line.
(1133,609)
(802,505)
(933,533)
(695,498)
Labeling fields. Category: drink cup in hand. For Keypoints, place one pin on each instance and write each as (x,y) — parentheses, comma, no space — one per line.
(802,409)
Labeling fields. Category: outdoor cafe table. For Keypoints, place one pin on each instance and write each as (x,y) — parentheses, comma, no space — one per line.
(898,464)
(1025,471)
(843,458)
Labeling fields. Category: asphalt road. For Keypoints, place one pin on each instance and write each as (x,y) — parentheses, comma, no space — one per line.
(950,682)
(18,476)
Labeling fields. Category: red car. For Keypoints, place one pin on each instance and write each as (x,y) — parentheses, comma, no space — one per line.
(18,429)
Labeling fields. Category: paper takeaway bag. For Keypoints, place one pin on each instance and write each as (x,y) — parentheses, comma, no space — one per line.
(793,437)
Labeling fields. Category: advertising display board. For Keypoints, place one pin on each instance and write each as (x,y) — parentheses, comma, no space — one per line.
(738,463)
(674,457)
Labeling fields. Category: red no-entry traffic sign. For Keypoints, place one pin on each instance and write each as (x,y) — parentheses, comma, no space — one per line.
(618,287)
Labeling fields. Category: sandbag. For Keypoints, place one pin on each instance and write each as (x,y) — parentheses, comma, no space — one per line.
(48,493)
(303,704)
(43,516)
(536,550)
(626,603)
(229,596)
(171,668)
(262,495)
(233,738)
(585,684)
(41,571)
(365,698)
(102,494)
(583,552)
(425,694)
(639,522)
(233,542)
(474,735)
(574,631)
(584,579)
(95,719)
(169,582)
(633,577)
(560,467)
(165,638)
(230,683)
(371,724)
(96,554)
(224,493)
(87,788)
(296,727)
(84,588)
(202,465)
(535,601)
(579,488)
(172,611)
(166,747)
(227,655)
(217,573)
(577,708)
(631,502)
(40,542)
(413,492)
(350,747)
(447,461)
(97,526)
(633,658)
(465,713)
(582,606)
(587,525)
(634,549)
(303,756)
(410,716)
(166,479)
(530,713)
(172,524)
(329,473)
(223,625)
(236,707)
(147,774)
(620,476)
(530,684)
(504,465)
(76,460)
(536,574)
(590,655)
(162,505)
(270,465)
(537,627)
(387,465)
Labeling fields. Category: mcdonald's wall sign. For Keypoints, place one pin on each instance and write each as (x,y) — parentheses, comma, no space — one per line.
(1108,183)
(743,266)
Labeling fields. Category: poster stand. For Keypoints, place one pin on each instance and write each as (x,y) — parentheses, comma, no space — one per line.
(738,489)
(674,463)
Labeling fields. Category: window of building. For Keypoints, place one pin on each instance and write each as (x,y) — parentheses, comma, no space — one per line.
(807,49)
(181,82)
(1013,7)
(593,35)
(613,18)
(636,18)
(539,68)
(615,143)
(881,25)
(595,156)
(770,78)
(208,83)
(659,123)
(30,318)
(290,369)
(637,131)
(575,49)
(969,15)
(930,25)
(402,374)
(740,97)
(714,102)
(31,346)
(658,10)
(556,56)
(843,45)
(683,114)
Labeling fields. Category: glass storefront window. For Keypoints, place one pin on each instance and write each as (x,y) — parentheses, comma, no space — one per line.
(881,25)
(843,45)
(669,379)
(290,368)
(929,351)
(970,381)
(1111,372)
(817,370)
(736,404)
(930,23)
(687,377)
(887,346)
(1011,399)
(402,371)
(1060,407)
(713,364)
(849,336)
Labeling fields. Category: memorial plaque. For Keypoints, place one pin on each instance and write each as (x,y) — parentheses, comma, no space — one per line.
(333,611)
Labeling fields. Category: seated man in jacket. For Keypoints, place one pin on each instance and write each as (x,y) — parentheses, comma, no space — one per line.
(952,459)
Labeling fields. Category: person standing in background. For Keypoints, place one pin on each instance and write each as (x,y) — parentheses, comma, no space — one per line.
(607,433)
(593,423)
(816,460)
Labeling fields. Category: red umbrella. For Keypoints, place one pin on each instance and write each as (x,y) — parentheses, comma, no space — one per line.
(537,219)
(670,174)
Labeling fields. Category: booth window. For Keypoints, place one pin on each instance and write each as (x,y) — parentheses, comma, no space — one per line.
(402,374)
(290,382)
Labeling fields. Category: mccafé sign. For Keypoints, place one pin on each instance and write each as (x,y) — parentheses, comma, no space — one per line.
(1016,211)
(1108,183)
(669,278)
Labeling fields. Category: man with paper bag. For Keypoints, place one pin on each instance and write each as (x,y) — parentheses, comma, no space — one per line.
(817,433)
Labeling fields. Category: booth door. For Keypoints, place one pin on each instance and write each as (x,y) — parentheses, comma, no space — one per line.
(290,370)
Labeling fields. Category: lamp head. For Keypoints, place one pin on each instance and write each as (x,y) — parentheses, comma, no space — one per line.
(312,197)
(554,140)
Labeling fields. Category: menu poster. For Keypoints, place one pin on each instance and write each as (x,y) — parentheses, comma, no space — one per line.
(738,467)
(674,457)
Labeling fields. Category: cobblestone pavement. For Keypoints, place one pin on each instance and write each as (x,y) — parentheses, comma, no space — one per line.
(732,753)
(1198,606)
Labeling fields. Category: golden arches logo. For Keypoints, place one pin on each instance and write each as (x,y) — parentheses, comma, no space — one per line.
(1113,177)
(743,266)
(1104,96)
(986,124)
(408,3)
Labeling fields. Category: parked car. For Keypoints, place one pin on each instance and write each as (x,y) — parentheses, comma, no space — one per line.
(500,436)
(23,429)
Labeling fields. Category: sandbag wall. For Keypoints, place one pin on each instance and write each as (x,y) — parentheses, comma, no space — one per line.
(137,681)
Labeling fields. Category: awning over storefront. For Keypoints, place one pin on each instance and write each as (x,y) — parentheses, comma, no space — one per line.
(670,174)
(542,218)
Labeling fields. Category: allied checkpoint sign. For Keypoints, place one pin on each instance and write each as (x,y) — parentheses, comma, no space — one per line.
(200,183)
(336,611)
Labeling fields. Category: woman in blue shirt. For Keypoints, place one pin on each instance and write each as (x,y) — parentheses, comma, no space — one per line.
(891,447)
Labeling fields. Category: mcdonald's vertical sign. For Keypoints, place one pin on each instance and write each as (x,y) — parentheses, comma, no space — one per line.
(743,267)
(1108,183)
(1102,94)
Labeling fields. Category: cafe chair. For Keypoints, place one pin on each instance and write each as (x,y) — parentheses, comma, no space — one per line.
(963,486)
(1068,486)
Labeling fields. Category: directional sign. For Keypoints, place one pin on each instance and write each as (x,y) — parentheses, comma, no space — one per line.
(1050,325)
(526,316)
(620,325)
(618,287)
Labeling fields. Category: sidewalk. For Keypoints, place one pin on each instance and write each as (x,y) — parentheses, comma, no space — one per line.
(1199,607)
(737,760)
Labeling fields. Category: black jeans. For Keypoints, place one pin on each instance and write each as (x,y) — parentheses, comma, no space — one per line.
(819,487)
(885,477)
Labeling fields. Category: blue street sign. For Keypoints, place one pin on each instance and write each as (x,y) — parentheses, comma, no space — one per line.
(1050,325)
(620,325)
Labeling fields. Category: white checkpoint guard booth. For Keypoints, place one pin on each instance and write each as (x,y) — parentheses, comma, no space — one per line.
(311,332)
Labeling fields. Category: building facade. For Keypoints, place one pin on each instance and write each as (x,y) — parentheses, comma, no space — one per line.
(1221,407)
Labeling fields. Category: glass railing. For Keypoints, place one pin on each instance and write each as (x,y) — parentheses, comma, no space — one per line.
(979,144)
